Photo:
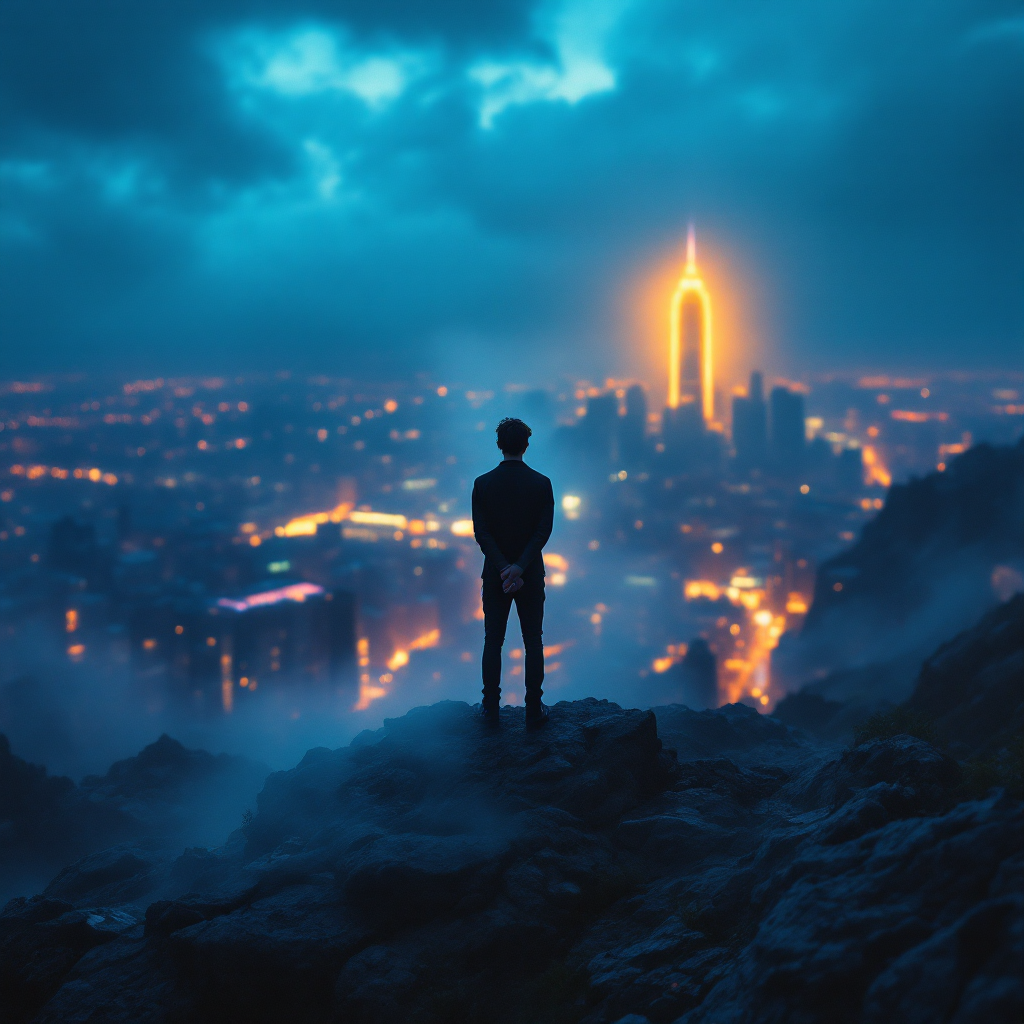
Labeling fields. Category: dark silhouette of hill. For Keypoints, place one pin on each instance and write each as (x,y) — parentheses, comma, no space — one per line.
(435,872)
(47,822)
(165,794)
(971,690)
(921,571)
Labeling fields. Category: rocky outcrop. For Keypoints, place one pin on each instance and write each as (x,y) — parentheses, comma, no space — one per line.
(976,505)
(970,691)
(165,797)
(179,794)
(46,822)
(944,548)
(438,871)
(735,730)
(973,687)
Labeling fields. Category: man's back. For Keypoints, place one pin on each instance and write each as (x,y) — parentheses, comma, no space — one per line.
(513,507)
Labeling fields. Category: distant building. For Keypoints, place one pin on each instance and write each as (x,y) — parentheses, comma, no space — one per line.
(750,426)
(786,430)
(850,470)
(690,361)
(296,629)
(633,426)
(287,630)
(73,548)
(699,674)
(601,427)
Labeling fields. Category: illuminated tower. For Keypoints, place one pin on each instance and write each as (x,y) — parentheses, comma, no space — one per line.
(690,370)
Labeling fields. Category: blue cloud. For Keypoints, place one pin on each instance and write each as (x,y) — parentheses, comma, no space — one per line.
(363,184)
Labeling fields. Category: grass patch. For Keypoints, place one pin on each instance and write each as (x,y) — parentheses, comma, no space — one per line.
(897,721)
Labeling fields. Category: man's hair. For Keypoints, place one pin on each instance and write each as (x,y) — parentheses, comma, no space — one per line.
(513,436)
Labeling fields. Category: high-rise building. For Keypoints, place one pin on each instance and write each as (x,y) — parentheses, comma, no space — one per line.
(698,672)
(690,361)
(600,427)
(750,426)
(787,433)
(633,426)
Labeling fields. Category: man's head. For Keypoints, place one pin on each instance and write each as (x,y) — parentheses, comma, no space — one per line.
(513,436)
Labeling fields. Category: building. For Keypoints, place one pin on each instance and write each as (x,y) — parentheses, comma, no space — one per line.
(284,630)
(750,426)
(698,672)
(690,362)
(786,430)
(633,426)
(601,427)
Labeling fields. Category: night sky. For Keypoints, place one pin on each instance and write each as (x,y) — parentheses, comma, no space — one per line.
(501,188)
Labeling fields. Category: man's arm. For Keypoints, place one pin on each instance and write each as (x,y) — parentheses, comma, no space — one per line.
(543,531)
(488,545)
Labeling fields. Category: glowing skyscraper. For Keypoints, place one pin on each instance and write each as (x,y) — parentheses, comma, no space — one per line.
(690,368)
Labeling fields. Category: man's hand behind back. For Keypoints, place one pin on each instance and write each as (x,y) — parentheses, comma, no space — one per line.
(511,579)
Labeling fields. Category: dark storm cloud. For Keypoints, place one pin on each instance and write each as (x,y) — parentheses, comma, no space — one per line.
(353,184)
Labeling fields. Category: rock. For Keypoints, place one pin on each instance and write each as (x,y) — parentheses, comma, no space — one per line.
(41,939)
(971,689)
(922,775)
(176,794)
(933,545)
(166,796)
(46,822)
(434,871)
(734,730)
(857,930)
(973,686)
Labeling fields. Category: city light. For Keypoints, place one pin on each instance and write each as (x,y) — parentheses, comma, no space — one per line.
(691,284)
(875,471)
(462,528)
(294,592)
(396,522)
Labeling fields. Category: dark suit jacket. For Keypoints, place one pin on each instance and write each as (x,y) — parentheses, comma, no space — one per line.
(513,509)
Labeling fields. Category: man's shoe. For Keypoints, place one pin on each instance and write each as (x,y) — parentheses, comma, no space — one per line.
(536,716)
(489,716)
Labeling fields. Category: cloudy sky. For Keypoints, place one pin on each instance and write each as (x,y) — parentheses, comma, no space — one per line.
(504,187)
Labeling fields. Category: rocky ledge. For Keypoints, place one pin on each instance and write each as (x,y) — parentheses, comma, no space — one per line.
(435,871)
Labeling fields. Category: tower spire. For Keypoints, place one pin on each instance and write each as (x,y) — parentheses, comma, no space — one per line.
(690,352)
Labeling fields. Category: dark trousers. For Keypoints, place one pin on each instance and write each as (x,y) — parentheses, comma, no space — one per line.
(530,606)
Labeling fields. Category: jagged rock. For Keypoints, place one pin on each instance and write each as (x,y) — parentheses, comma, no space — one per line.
(920,572)
(436,871)
(46,822)
(973,686)
(41,939)
(166,796)
(177,793)
(859,930)
(735,730)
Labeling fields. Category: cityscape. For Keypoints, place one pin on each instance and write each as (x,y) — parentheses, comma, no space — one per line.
(511,513)
(215,540)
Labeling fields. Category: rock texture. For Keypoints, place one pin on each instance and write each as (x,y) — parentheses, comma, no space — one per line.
(437,871)
(971,690)
(166,796)
(973,687)
(943,549)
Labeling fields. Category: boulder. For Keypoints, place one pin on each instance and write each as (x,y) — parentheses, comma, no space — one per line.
(436,870)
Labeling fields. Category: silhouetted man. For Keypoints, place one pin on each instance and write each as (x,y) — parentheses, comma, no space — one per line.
(513,509)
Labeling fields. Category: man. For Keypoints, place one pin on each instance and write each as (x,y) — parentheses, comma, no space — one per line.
(513,508)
